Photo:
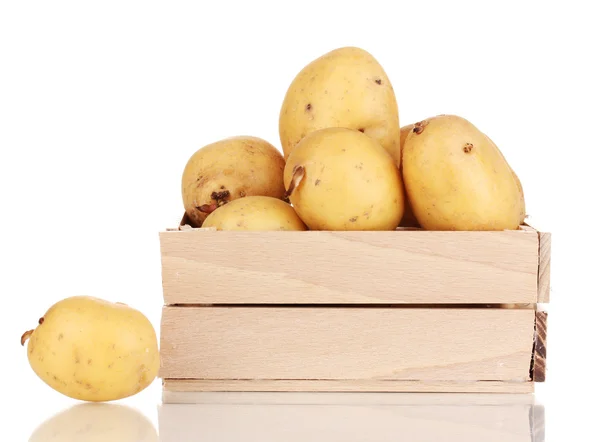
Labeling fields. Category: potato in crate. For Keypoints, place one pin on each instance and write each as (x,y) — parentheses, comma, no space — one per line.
(365,257)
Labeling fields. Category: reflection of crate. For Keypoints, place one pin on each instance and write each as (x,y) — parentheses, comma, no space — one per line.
(409,310)
(300,417)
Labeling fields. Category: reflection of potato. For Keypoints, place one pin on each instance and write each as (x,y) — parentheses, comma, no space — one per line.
(96,423)
(231,168)
(341,179)
(94,350)
(346,87)
(255,213)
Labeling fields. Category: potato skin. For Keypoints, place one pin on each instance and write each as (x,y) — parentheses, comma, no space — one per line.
(457,179)
(93,350)
(404,131)
(408,219)
(255,213)
(349,182)
(522,207)
(346,87)
(229,169)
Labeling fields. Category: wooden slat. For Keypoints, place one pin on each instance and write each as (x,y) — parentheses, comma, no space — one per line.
(187,392)
(544,267)
(425,267)
(433,419)
(346,343)
(174,386)
(539,350)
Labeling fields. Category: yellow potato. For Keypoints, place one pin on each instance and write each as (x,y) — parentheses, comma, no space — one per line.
(409,219)
(341,179)
(96,423)
(346,87)
(522,207)
(404,131)
(229,169)
(457,179)
(521,193)
(255,213)
(93,350)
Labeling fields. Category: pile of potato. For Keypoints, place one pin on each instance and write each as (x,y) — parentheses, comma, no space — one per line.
(348,165)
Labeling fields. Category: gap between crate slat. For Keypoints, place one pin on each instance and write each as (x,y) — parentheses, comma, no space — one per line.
(529,306)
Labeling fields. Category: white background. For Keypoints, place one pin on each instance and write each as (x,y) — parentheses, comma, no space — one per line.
(101,105)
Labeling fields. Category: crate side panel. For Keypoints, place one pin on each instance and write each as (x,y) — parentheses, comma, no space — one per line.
(346,343)
(544,267)
(204,267)
(539,349)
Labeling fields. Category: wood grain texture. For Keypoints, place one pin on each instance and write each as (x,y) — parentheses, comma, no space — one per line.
(172,387)
(323,343)
(213,267)
(186,392)
(432,419)
(544,267)
(539,348)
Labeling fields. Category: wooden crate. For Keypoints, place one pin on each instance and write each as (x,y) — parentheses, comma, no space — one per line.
(407,310)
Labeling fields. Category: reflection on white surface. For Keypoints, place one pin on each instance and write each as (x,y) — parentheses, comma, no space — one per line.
(96,423)
(270,417)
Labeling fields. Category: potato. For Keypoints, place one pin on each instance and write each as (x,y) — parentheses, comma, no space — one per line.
(228,169)
(346,87)
(457,179)
(522,207)
(93,350)
(521,193)
(96,423)
(255,213)
(408,219)
(341,179)
(404,131)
